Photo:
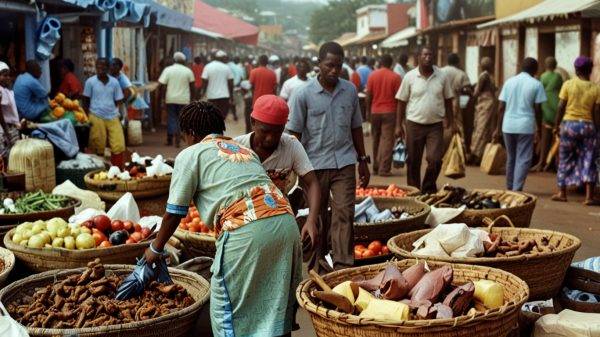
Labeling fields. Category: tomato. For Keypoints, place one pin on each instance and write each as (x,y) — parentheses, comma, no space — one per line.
(116,225)
(375,247)
(193,228)
(183,226)
(357,254)
(196,221)
(128,226)
(146,232)
(102,222)
(98,236)
(385,250)
(188,218)
(360,247)
(130,241)
(137,228)
(195,214)
(105,244)
(137,236)
(204,228)
(368,253)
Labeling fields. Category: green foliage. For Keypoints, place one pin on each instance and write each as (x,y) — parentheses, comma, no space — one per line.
(338,17)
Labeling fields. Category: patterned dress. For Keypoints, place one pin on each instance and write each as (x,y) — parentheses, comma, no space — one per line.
(484,113)
(257,266)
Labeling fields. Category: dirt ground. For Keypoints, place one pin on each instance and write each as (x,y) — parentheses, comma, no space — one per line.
(571,217)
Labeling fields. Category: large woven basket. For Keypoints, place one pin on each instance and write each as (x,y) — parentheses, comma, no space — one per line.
(8,258)
(196,244)
(543,272)
(113,190)
(35,158)
(492,323)
(172,325)
(386,229)
(584,280)
(38,260)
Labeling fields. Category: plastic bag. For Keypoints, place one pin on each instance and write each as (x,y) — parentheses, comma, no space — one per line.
(85,215)
(493,160)
(9,327)
(135,283)
(472,248)
(88,199)
(399,154)
(125,209)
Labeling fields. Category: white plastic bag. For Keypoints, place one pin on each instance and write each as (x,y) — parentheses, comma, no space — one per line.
(125,209)
(440,215)
(455,235)
(88,199)
(9,327)
(431,247)
(84,215)
(149,221)
(472,248)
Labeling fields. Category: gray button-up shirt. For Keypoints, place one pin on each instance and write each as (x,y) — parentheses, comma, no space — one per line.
(325,121)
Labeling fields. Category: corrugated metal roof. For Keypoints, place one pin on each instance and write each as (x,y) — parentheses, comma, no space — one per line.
(400,38)
(345,38)
(550,9)
(205,32)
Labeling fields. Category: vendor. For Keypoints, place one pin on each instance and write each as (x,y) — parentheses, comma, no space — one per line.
(30,95)
(9,118)
(257,265)
(70,85)
(282,155)
(116,65)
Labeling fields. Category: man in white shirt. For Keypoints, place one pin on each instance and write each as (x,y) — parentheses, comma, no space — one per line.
(177,90)
(289,86)
(217,83)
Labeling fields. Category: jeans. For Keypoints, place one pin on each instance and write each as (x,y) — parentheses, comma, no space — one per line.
(519,155)
(173,119)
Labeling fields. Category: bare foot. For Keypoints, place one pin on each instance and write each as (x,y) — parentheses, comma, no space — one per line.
(537,168)
(559,197)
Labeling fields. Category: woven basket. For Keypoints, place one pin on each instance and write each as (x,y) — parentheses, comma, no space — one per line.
(584,280)
(496,322)
(172,325)
(520,215)
(386,229)
(35,158)
(543,272)
(39,260)
(566,303)
(9,263)
(134,133)
(113,190)
(197,244)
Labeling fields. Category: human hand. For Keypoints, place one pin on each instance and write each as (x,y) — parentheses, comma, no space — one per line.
(310,229)
(152,257)
(455,129)
(496,137)
(364,174)
(399,132)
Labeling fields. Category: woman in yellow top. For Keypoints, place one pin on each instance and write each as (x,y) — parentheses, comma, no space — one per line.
(579,112)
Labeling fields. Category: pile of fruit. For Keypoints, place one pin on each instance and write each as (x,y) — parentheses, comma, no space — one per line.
(109,233)
(88,300)
(62,107)
(194,224)
(375,248)
(392,191)
(33,202)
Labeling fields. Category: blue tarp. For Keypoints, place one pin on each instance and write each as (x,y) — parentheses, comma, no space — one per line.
(166,17)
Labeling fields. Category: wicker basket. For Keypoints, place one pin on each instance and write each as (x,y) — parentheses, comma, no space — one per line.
(496,322)
(39,260)
(134,133)
(543,272)
(35,158)
(9,263)
(386,229)
(113,190)
(584,280)
(197,244)
(172,325)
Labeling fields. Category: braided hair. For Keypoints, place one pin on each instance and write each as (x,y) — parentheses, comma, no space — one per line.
(200,119)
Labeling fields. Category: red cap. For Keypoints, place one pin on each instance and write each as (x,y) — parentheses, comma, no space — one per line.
(271,109)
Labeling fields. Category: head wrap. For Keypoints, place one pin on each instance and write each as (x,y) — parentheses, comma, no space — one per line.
(3,66)
(271,109)
(220,54)
(179,57)
(583,62)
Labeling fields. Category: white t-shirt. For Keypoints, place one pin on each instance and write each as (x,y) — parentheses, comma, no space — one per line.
(177,78)
(289,86)
(218,74)
(286,163)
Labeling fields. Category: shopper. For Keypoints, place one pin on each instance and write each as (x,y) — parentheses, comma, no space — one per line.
(424,110)
(402,67)
(218,83)
(9,117)
(116,65)
(197,68)
(579,120)
(30,95)
(177,89)
(263,79)
(518,113)
(483,123)
(325,116)
(238,76)
(382,86)
(70,86)
(102,95)
(257,265)
(364,71)
(552,82)
(460,86)
(289,87)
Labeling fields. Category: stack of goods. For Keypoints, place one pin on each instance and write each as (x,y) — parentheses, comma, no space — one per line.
(88,300)
(62,107)
(194,224)
(34,202)
(455,197)
(582,286)
(415,294)
(367,212)
(373,249)
(138,168)
(392,191)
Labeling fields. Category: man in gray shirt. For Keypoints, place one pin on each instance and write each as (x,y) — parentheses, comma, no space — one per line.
(325,116)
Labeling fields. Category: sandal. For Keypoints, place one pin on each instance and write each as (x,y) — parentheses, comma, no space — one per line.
(558,198)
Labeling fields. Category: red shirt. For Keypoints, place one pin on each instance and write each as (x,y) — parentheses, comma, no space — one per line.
(263,82)
(383,84)
(292,71)
(70,85)
(355,79)
(197,70)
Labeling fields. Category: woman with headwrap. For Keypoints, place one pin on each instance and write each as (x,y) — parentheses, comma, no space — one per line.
(578,112)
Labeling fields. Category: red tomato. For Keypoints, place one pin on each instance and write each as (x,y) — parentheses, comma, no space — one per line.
(385,250)
(128,226)
(105,244)
(137,236)
(146,232)
(368,253)
(193,228)
(188,218)
(360,247)
(357,254)
(102,222)
(116,225)
(183,226)
(98,236)
(137,228)
(130,241)
(375,247)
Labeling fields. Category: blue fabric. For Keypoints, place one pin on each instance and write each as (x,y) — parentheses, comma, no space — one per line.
(238,73)
(521,93)
(60,133)
(31,97)
(177,210)
(173,111)
(519,153)
(364,72)
(103,96)
(124,81)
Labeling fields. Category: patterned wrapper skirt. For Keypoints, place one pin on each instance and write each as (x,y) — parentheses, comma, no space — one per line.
(578,151)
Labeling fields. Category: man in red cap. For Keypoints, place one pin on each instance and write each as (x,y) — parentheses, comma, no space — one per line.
(283,156)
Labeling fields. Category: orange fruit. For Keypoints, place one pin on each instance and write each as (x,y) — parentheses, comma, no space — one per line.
(58,112)
(385,250)
(368,253)
(60,97)
(375,247)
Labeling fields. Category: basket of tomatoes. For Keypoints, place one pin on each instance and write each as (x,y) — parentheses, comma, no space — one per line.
(392,191)
(197,238)
(370,253)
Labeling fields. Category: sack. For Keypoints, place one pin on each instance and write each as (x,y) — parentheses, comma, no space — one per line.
(493,160)
(399,154)
(133,285)
(453,165)
(125,209)
(568,323)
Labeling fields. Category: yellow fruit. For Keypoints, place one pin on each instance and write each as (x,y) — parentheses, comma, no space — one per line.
(53,104)
(75,104)
(489,293)
(58,243)
(80,117)
(70,242)
(60,97)
(58,112)
(17,237)
(67,104)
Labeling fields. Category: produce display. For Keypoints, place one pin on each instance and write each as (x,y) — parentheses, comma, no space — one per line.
(367,212)
(138,168)
(415,294)
(375,248)
(33,202)
(194,224)
(62,107)
(98,232)
(88,300)
(391,191)
(450,196)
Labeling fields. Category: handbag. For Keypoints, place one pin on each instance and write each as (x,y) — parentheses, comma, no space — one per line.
(453,165)
(399,154)
(493,160)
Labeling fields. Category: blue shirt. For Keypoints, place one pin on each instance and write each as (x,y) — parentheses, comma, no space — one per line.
(124,81)
(364,72)
(325,121)
(103,97)
(30,96)
(521,93)
(238,73)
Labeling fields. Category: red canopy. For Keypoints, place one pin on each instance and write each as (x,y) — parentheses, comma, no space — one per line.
(215,20)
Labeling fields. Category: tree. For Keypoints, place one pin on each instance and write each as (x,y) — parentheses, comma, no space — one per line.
(338,17)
